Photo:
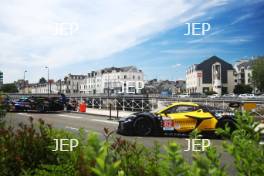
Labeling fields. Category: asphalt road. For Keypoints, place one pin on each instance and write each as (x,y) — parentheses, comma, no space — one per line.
(74,121)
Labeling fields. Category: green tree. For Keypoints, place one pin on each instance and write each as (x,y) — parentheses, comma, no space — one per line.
(9,88)
(242,89)
(42,80)
(258,73)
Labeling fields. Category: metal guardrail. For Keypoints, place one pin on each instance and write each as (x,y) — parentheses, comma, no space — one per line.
(141,103)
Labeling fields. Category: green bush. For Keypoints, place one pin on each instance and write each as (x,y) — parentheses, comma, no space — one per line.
(245,146)
(27,151)
(25,148)
(2,110)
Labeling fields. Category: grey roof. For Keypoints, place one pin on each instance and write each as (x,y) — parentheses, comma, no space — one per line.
(120,69)
(180,83)
(212,60)
(246,65)
(206,68)
(71,75)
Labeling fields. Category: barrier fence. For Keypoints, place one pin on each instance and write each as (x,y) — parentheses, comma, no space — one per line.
(142,103)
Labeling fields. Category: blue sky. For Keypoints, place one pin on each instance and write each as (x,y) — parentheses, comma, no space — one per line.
(147,34)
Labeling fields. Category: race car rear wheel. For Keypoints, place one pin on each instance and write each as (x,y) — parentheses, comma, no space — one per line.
(143,126)
(40,108)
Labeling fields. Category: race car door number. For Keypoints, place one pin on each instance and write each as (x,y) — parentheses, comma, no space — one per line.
(168,125)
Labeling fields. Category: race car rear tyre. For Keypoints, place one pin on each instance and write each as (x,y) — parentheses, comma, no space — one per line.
(40,108)
(227,122)
(143,126)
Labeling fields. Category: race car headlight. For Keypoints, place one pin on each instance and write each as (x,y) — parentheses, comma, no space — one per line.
(228,114)
(126,119)
(218,115)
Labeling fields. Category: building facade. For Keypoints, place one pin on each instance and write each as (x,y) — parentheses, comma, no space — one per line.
(213,74)
(43,88)
(124,80)
(180,86)
(243,71)
(113,80)
(1,78)
(72,83)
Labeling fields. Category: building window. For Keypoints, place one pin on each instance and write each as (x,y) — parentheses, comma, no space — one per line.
(125,76)
(131,89)
(205,89)
(139,85)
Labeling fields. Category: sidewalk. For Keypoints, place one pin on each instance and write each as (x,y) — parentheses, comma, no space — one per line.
(105,112)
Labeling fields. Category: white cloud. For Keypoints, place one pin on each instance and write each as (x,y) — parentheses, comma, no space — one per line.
(226,40)
(183,52)
(176,65)
(106,27)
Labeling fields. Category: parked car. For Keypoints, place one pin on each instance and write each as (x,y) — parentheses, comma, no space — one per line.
(260,96)
(231,95)
(39,104)
(246,96)
(197,95)
(184,95)
(214,96)
(177,118)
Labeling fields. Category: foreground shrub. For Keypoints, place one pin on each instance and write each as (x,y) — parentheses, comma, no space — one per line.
(2,111)
(245,146)
(25,148)
(28,151)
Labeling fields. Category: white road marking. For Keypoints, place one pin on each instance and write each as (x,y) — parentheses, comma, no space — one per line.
(70,116)
(24,114)
(71,128)
(104,121)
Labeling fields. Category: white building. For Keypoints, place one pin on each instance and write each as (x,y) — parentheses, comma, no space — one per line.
(1,78)
(213,74)
(72,83)
(44,88)
(127,80)
(243,71)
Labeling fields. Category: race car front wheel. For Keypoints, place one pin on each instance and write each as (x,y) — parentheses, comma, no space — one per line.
(143,126)
(227,122)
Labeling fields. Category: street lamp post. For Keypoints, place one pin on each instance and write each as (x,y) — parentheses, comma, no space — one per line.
(108,84)
(24,82)
(48,80)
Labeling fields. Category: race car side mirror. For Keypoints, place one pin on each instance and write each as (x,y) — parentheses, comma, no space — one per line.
(199,110)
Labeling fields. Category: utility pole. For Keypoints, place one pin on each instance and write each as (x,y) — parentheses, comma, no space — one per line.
(48,83)
(108,84)
(24,82)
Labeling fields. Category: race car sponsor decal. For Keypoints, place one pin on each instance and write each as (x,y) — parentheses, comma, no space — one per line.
(168,125)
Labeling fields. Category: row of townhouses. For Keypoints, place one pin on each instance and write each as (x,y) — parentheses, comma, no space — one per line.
(212,74)
(1,78)
(113,80)
(215,74)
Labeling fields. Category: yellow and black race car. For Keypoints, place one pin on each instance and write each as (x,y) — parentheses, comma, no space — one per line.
(177,118)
